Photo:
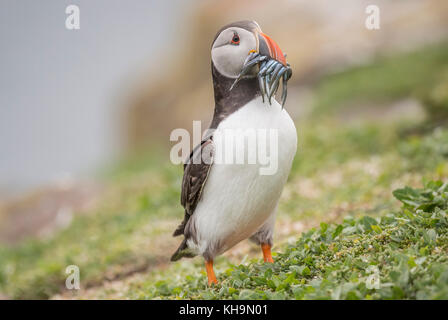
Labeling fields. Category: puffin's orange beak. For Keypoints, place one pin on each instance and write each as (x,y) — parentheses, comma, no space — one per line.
(269,47)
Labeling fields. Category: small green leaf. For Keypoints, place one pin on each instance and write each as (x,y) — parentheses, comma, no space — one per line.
(376,228)
(338,231)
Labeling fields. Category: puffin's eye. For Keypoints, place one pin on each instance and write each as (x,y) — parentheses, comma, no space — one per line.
(236,39)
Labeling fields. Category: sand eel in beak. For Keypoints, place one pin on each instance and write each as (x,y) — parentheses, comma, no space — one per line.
(227,202)
(272,68)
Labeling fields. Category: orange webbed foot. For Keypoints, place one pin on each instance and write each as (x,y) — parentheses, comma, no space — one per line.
(210,273)
(266,248)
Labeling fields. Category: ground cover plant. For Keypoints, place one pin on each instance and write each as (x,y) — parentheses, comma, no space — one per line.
(365,205)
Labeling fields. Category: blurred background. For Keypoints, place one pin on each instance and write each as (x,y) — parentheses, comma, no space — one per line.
(85,118)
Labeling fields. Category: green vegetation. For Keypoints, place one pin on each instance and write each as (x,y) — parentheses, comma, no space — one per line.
(436,100)
(108,243)
(337,225)
(386,79)
(404,254)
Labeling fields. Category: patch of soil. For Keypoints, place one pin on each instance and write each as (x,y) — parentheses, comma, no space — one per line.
(44,212)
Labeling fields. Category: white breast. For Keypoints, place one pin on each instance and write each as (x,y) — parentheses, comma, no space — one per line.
(237,199)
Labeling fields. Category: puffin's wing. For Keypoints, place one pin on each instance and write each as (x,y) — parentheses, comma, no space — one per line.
(196,171)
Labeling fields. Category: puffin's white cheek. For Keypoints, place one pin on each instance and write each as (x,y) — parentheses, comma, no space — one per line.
(228,60)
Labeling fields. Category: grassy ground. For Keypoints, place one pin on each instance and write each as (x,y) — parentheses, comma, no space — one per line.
(400,255)
(388,78)
(338,223)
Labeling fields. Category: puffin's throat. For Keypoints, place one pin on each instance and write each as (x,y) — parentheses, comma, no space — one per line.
(228,101)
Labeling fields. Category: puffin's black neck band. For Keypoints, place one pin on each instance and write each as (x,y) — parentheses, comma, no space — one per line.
(227,102)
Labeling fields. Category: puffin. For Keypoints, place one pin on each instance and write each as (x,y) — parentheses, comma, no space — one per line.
(227,202)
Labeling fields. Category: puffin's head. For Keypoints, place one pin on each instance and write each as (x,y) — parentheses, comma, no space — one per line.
(235,41)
